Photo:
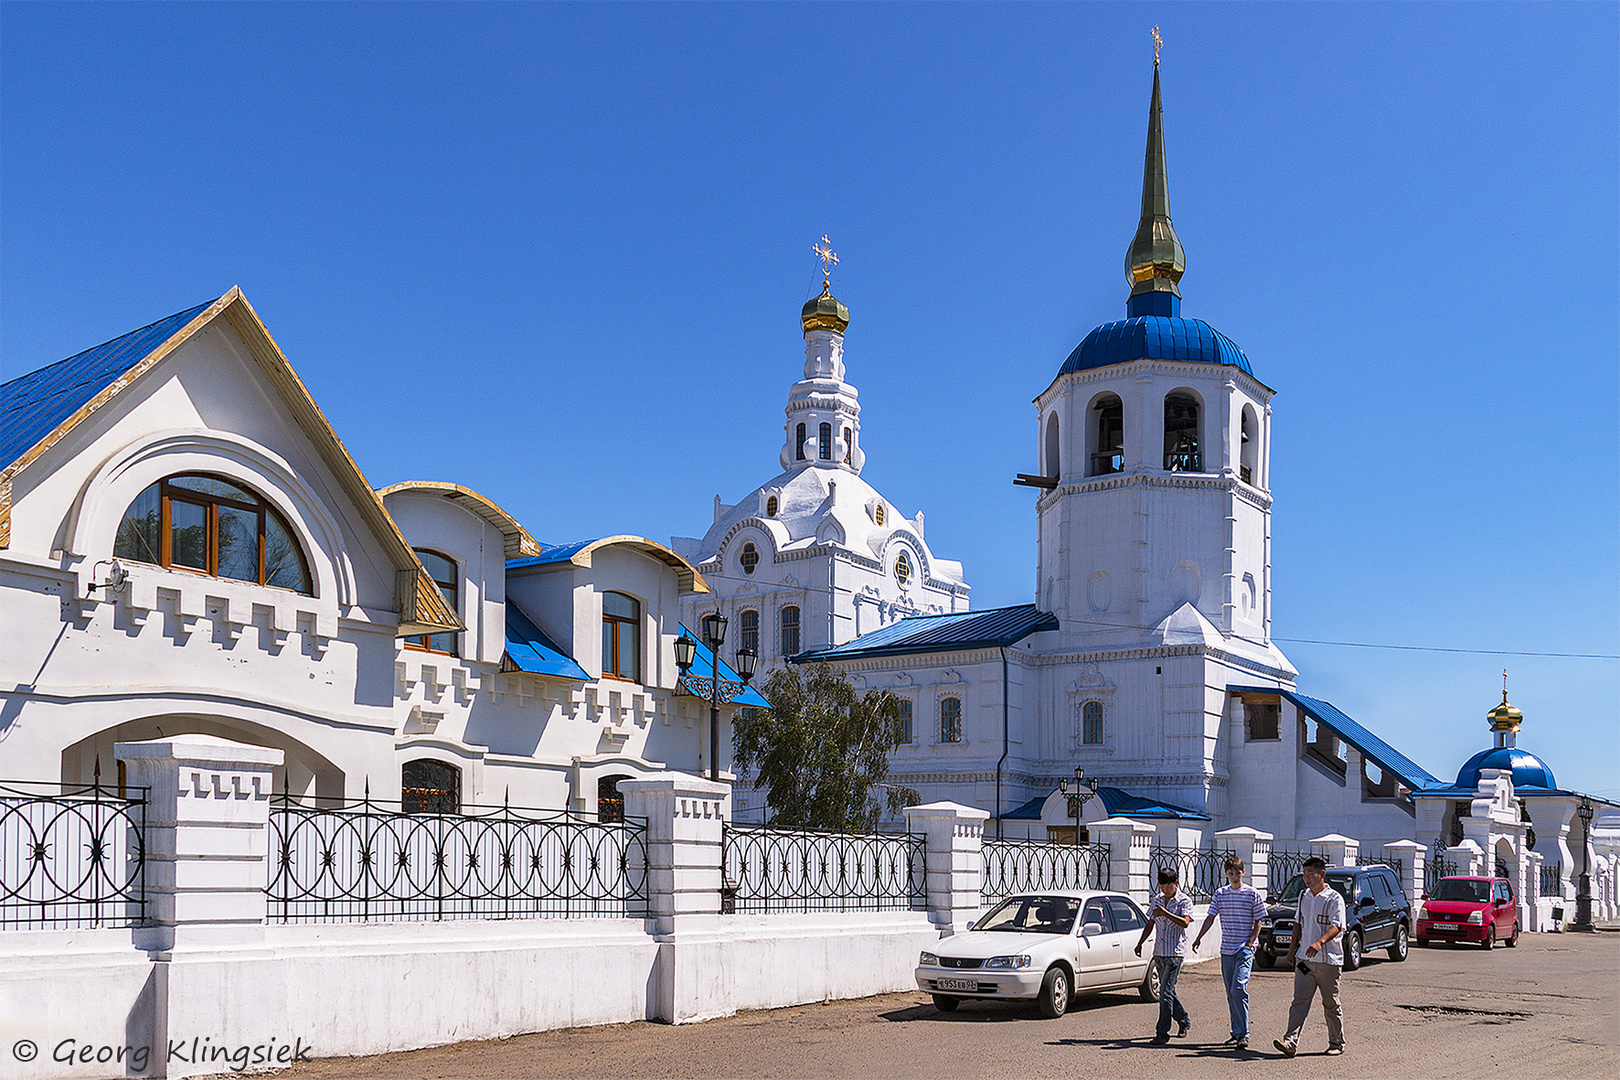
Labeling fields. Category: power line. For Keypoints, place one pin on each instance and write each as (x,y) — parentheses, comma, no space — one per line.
(1443,649)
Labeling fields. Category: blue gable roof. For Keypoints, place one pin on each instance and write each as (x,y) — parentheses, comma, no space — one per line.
(34,405)
(991,628)
(529,650)
(1370,746)
(703,662)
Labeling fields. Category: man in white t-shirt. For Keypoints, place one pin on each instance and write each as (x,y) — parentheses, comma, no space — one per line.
(1320,921)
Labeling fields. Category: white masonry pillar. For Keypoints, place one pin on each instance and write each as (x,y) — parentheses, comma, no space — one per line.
(1412,856)
(1128,843)
(954,838)
(1254,848)
(1338,850)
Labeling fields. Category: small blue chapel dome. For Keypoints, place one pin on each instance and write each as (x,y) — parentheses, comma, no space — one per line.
(1528,770)
(1155,337)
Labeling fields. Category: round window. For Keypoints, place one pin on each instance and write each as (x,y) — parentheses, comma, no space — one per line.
(902,568)
(749,558)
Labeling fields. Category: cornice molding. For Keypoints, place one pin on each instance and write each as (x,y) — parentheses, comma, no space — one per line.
(1135,369)
(1225,483)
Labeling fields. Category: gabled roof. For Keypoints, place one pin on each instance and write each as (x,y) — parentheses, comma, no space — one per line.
(991,628)
(1370,746)
(529,650)
(518,541)
(39,409)
(580,551)
(703,661)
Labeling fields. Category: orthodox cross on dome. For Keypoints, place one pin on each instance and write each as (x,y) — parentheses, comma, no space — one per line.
(1504,684)
(1158,43)
(829,259)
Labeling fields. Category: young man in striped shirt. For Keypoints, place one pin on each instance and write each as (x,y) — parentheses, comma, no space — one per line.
(1240,907)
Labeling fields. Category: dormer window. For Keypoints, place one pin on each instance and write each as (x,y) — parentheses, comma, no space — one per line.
(212,526)
(443,573)
(771,506)
(621,636)
(878,514)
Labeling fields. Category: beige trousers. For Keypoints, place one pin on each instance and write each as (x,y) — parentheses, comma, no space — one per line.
(1324,977)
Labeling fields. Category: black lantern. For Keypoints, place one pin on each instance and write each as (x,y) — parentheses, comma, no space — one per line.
(685,652)
(746,659)
(1583,897)
(714,630)
(1078,798)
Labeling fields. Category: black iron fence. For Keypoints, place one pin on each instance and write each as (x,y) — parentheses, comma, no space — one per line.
(1435,869)
(1551,881)
(770,870)
(1284,864)
(370,861)
(1019,866)
(71,857)
(1202,870)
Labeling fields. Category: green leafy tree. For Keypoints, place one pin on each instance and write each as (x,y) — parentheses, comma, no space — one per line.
(822,751)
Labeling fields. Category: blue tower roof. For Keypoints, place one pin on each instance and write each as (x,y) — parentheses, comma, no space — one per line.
(1155,337)
(1528,770)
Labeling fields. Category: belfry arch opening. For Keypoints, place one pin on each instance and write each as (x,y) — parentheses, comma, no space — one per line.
(1249,447)
(1053,448)
(1107,415)
(1183,447)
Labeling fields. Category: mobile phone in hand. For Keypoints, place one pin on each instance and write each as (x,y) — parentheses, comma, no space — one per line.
(1303,968)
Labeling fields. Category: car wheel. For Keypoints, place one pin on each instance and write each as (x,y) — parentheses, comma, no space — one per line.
(1265,959)
(1054,999)
(1513,942)
(1150,984)
(1397,950)
(946,1003)
(1352,950)
(1490,937)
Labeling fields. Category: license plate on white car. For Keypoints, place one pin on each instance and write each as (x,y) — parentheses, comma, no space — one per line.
(957,984)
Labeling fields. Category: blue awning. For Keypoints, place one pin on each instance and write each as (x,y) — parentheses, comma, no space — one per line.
(990,628)
(529,650)
(703,664)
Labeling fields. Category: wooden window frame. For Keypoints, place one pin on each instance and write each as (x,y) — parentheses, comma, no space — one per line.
(1091,711)
(168,493)
(943,713)
(611,625)
(904,731)
(748,636)
(424,642)
(798,629)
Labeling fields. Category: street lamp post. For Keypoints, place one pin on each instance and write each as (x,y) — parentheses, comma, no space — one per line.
(1583,898)
(714,636)
(1083,791)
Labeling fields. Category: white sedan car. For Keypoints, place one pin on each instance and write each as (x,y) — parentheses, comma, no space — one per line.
(1048,946)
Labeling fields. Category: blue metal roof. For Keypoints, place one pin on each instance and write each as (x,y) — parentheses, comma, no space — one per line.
(1528,770)
(34,405)
(529,650)
(1030,811)
(550,553)
(938,633)
(1154,337)
(1121,803)
(703,661)
(1373,748)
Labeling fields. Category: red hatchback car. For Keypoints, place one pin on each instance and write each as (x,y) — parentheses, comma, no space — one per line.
(1474,909)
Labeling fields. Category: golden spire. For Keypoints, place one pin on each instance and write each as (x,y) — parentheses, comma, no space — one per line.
(1155,261)
(824,312)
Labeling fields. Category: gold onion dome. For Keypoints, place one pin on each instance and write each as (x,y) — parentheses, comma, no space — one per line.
(1505,717)
(824,312)
(1155,261)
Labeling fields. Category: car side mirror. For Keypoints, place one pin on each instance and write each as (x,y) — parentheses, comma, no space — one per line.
(1090,929)
(1367,901)
(1425,896)
(1270,899)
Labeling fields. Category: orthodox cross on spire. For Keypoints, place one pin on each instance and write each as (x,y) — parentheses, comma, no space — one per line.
(1154,262)
(1504,686)
(1158,43)
(829,259)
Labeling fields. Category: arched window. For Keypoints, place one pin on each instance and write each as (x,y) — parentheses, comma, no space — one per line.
(621,636)
(1054,460)
(950,720)
(826,442)
(800,450)
(430,787)
(443,573)
(1091,723)
(214,526)
(902,568)
(1109,456)
(1249,448)
(879,514)
(1181,452)
(749,621)
(771,505)
(749,558)
(790,631)
(849,446)
(609,803)
(902,725)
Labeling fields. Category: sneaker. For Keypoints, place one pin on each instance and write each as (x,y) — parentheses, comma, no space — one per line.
(1233,1040)
(1160,1040)
(1243,1043)
(1288,1049)
(1186,1026)
(1335,1051)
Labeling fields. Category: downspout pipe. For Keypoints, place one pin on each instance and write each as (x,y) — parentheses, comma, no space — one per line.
(1005,743)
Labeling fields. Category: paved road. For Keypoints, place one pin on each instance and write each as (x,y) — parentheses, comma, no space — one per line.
(1547,1008)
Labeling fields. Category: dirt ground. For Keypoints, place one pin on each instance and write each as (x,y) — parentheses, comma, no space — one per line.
(1546,1008)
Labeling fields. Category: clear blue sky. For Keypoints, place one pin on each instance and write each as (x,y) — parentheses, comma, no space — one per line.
(557,254)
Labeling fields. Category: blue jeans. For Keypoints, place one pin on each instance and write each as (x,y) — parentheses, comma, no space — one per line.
(1235,968)
(1170,1007)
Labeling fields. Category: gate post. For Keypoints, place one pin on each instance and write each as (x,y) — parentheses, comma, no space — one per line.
(954,835)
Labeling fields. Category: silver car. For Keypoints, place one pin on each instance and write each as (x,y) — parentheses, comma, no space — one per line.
(1047,947)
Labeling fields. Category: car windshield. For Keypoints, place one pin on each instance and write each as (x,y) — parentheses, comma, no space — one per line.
(1476,892)
(1032,915)
(1341,884)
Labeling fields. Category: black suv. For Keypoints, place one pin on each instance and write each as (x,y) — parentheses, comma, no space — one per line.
(1380,915)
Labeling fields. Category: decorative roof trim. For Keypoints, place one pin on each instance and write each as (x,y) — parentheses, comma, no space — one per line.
(518,541)
(421,607)
(580,555)
(1156,366)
